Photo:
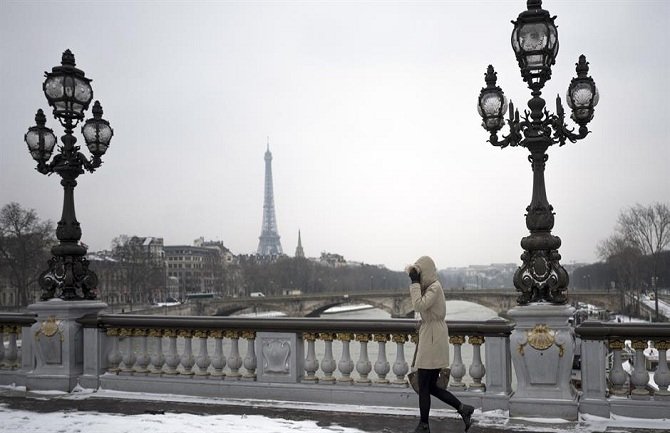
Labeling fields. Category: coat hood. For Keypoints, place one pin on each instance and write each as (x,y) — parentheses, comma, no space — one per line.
(427,271)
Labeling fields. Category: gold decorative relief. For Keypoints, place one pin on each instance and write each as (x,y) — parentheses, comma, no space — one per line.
(155,332)
(617,344)
(381,338)
(249,335)
(363,337)
(216,333)
(476,340)
(639,344)
(561,350)
(345,336)
(49,328)
(326,336)
(662,344)
(457,339)
(541,337)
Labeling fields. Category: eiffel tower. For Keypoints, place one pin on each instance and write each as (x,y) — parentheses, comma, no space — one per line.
(269,244)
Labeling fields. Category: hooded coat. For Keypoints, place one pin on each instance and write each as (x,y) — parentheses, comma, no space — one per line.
(428,300)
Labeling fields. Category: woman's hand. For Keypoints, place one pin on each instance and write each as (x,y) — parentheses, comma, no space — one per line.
(414,275)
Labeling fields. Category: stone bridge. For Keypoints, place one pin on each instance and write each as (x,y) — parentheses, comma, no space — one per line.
(395,302)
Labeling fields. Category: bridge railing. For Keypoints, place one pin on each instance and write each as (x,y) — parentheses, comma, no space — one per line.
(624,369)
(14,329)
(361,362)
(304,359)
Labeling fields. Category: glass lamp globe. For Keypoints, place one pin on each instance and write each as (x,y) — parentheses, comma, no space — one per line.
(97,132)
(68,91)
(40,139)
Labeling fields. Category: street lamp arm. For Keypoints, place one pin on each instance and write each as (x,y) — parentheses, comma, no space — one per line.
(514,138)
(561,129)
(91,164)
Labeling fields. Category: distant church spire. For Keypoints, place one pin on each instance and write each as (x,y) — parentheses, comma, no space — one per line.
(269,244)
(299,252)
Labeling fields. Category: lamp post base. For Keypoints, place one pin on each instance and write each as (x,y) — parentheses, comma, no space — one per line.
(57,343)
(543,347)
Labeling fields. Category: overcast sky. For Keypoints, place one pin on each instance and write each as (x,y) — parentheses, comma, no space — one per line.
(371,112)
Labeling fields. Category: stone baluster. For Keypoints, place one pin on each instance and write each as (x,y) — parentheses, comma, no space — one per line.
(250,361)
(400,366)
(328,365)
(457,366)
(218,359)
(363,366)
(382,366)
(12,352)
(187,360)
(311,363)
(234,360)
(662,375)
(640,376)
(143,358)
(202,361)
(477,369)
(617,373)
(172,358)
(157,357)
(129,357)
(346,364)
(114,356)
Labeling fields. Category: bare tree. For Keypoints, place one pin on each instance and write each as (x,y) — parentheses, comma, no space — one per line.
(24,248)
(625,257)
(142,271)
(647,228)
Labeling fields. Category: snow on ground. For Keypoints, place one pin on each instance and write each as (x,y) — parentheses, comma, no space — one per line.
(84,422)
(663,307)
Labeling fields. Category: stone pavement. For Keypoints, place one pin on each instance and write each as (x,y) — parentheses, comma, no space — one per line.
(372,423)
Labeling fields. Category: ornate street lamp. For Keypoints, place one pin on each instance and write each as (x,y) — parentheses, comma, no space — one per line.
(69,92)
(535,43)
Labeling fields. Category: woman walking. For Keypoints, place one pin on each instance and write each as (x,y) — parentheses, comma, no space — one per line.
(432,352)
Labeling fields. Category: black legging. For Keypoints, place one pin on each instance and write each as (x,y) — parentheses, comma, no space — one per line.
(427,386)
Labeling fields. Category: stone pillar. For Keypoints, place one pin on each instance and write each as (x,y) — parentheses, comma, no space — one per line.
(498,372)
(95,357)
(542,348)
(594,374)
(58,343)
(280,357)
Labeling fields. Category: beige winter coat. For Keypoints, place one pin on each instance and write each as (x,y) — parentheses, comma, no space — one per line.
(433,350)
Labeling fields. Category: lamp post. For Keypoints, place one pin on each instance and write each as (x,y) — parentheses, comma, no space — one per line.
(69,92)
(540,278)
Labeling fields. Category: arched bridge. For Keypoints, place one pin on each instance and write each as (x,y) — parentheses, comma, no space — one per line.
(395,302)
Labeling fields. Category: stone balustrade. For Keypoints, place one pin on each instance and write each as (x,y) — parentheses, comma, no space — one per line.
(616,384)
(360,362)
(303,359)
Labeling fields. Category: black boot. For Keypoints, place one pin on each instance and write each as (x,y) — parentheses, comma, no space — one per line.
(423,427)
(465,412)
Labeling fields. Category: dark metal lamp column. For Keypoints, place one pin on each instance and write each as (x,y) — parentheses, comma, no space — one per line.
(541,278)
(69,92)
